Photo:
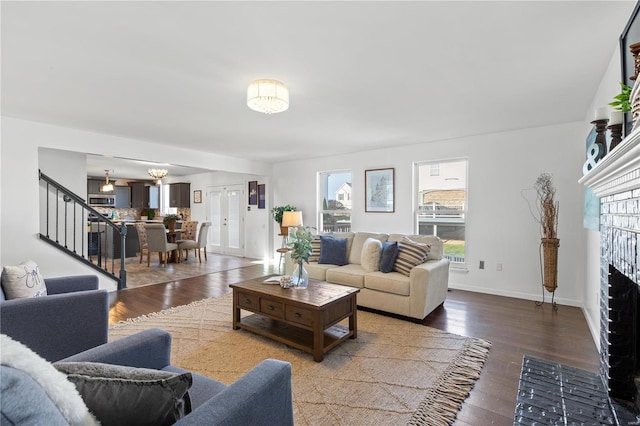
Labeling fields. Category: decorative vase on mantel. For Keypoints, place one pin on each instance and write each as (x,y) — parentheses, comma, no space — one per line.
(300,276)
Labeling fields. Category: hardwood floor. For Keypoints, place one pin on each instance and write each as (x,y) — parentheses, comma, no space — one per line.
(514,326)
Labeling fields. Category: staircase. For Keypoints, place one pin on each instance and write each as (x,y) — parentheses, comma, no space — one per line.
(65,225)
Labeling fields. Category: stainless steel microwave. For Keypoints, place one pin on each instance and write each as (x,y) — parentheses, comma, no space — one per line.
(100,200)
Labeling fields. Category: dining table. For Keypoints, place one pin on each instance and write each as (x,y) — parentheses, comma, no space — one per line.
(172,237)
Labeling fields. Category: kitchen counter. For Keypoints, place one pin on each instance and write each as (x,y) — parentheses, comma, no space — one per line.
(110,243)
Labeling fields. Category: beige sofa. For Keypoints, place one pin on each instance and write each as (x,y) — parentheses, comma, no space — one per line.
(414,296)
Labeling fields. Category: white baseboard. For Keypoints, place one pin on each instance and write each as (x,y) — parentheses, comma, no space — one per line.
(519,295)
(594,329)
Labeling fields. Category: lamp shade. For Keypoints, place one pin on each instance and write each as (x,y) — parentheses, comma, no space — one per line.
(268,96)
(290,219)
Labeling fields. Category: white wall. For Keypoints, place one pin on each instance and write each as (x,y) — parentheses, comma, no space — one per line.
(500,228)
(19,185)
(609,87)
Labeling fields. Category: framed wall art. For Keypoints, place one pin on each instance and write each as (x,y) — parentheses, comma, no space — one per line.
(261,196)
(253,192)
(379,190)
(197,196)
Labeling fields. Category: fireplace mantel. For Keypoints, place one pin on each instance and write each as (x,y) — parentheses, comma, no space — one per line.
(619,170)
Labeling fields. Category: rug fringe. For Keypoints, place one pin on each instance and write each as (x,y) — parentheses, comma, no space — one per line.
(157,314)
(441,405)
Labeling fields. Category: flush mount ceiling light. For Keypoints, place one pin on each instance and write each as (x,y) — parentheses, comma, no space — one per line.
(268,96)
(107,187)
(158,173)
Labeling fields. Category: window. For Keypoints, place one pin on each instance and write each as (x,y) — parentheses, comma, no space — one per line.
(334,189)
(164,201)
(442,204)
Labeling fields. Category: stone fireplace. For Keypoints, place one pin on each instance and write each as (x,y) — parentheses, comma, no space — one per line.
(616,180)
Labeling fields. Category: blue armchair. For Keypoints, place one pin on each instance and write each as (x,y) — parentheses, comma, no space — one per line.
(261,397)
(73,317)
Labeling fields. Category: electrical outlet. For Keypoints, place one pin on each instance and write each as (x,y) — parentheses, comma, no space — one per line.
(481,264)
(499,267)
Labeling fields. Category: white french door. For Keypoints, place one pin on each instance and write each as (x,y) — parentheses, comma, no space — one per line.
(226,235)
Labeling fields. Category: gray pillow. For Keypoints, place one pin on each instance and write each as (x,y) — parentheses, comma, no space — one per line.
(119,395)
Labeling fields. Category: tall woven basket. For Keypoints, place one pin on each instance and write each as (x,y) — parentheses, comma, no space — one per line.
(550,257)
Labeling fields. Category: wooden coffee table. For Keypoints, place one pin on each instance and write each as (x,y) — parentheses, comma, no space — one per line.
(304,319)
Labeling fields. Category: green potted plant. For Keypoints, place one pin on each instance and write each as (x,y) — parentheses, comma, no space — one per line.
(622,102)
(151,213)
(300,246)
(278,211)
(170,220)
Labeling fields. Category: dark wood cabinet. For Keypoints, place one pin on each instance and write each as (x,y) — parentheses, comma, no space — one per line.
(144,196)
(180,195)
(137,195)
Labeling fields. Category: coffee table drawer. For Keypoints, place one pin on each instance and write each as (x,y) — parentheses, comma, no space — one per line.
(298,315)
(249,301)
(271,308)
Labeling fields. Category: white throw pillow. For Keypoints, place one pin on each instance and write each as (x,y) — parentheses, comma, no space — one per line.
(370,258)
(23,281)
(60,391)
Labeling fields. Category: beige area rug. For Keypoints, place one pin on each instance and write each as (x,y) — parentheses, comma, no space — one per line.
(396,372)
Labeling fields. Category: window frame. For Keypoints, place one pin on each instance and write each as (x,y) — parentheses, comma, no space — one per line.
(461,266)
(320,199)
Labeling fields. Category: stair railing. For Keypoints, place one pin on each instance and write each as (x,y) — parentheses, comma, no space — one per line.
(65,225)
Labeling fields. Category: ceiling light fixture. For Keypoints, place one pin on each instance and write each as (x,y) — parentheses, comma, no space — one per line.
(268,96)
(107,187)
(158,173)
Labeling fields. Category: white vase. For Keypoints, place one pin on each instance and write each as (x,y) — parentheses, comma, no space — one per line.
(300,277)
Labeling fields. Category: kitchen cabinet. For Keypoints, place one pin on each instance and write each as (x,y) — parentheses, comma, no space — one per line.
(94,186)
(110,242)
(144,196)
(137,195)
(123,197)
(180,195)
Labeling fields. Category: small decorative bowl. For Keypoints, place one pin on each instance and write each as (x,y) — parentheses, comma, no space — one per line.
(286,281)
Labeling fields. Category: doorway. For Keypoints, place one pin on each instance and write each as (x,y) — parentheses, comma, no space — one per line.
(225,212)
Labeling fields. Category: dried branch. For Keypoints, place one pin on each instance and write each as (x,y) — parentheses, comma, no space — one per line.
(547,207)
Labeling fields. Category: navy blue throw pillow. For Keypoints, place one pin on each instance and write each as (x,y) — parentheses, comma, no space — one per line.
(333,251)
(388,256)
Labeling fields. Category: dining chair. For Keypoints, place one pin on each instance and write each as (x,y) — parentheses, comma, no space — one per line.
(201,243)
(188,231)
(142,238)
(157,242)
